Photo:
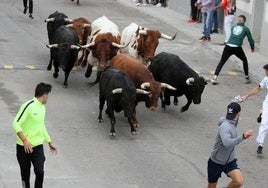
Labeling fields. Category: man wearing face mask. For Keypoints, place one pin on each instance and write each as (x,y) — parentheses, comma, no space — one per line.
(222,158)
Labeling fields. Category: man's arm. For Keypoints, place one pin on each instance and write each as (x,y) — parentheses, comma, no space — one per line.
(17,122)
(250,40)
(226,138)
(251,93)
(53,149)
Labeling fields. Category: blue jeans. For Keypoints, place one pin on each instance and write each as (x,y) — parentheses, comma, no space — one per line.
(207,20)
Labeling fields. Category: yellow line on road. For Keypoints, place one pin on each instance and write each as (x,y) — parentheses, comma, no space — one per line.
(231,73)
(31,67)
(212,72)
(9,67)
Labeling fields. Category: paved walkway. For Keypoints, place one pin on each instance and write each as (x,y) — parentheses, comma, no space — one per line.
(179,21)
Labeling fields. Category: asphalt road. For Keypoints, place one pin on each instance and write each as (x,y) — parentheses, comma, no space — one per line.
(172,148)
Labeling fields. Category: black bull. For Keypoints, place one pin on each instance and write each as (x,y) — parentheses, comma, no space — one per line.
(170,69)
(64,51)
(118,90)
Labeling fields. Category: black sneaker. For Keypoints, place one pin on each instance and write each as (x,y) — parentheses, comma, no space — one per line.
(215,31)
(203,38)
(259,150)
(25,10)
(31,16)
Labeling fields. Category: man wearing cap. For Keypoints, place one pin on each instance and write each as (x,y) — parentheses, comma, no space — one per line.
(264,122)
(222,157)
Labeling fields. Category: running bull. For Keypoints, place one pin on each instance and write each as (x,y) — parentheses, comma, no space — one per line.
(142,41)
(142,79)
(64,51)
(54,21)
(118,90)
(170,69)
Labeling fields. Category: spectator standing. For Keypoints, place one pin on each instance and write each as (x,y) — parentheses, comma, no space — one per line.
(30,8)
(215,24)
(207,9)
(229,16)
(193,12)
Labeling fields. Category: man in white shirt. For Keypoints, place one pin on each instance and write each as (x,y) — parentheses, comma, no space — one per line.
(264,123)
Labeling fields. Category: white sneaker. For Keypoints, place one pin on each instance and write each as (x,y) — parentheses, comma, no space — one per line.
(158,5)
(138,4)
(247,80)
(215,80)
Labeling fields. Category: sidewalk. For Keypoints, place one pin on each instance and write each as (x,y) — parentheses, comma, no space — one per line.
(179,22)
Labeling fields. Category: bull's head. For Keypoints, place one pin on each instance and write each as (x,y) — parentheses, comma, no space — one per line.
(82,31)
(104,50)
(155,89)
(64,52)
(196,87)
(148,41)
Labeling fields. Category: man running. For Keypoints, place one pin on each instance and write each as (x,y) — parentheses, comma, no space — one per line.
(222,158)
(234,47)
(264,120)
(31,132)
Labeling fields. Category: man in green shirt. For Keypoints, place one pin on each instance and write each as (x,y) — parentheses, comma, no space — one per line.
(29,125)
(234,47)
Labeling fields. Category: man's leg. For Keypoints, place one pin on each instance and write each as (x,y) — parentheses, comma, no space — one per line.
(25,166)
(209,24)
(38,160)
(237,179)
(227,52)
(239,52)
(263,130)
(25,6)
(228,20)
(193,10)
(214,171)
(30,6)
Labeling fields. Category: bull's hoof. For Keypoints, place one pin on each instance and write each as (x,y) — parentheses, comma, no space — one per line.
(134,133)
(65,86)
(183,109)
(91,84)
(175,103)
(83,65)
(49,68)
(112,134)
(87,75)
(164,108)
(100,120)
(136,124)
(55,75)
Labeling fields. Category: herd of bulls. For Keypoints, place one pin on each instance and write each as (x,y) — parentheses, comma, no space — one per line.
(128,70)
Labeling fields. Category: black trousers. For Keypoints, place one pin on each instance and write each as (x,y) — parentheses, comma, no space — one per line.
(193,10)
(37,158)
(228,52)
(30,5)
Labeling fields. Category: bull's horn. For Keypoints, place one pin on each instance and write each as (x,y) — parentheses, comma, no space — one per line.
(52,45)
(143,32)
(190,81)
(68,20)
(119,46)
(145,85)
(208,79)
(75,47)
(168,37)
(50,20)
(164,85)
(118,90)
(88,45)
(87,25)
(141,91)
(70,25)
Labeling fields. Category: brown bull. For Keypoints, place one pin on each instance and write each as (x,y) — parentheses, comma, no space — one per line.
(83,29)
(142,78)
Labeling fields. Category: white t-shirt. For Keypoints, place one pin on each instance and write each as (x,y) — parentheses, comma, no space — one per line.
(264,85)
